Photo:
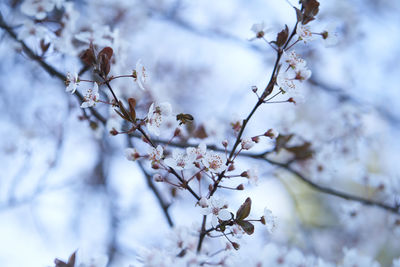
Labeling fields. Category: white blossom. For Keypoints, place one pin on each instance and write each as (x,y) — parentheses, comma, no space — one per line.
(330,36)
(247,143)
(179,160)
(352,258)
(304,33)
(286,82)
(259,29)
(157,116)
(293,72)
(131,154)
(197,152)
(100,35)
(91,97)
(141,75)
(181,239)
(293,60)
(72,82)
(156,154)
(203,202)
(252,175)
(303,74)
(37,8)
(214,162)
(30,29)
(217,207)
(269,220)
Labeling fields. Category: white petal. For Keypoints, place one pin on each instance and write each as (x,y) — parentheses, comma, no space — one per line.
(224,215)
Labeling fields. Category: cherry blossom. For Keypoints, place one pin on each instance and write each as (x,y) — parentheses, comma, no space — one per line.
(214,162)
(157,116)
(294,72)
(247,143)
(131,154)
(37,8)
(100,35)
(293,60)
(179,160)
(330,36)
(30,29)
(141,75)
(259,29)
(286,82)
(252,175)
(91,97)
(304,33)
(156,154)
(197,152)
(203,202)
(217,208)
(72,82)
(268,219)
(353,258)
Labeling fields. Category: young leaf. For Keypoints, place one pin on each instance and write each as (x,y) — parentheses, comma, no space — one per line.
(310,10)
(299,15)
(248,227)
(244,210)
(88,57)
(104,59)
(132,112)
(282,37)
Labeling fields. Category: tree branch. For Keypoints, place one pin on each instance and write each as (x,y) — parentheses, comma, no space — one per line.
(48,68)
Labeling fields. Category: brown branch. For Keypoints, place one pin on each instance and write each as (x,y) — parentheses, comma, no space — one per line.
(267,91)
(308,181)
(327,190)
(48,68)
(185,185)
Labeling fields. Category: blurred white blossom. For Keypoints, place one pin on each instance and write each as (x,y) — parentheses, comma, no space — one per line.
(157,116)
(91,97)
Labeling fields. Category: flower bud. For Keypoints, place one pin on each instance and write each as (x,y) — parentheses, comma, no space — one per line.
(231,167)
(255,139)
(271,133)
(225,143)
(235,245)
(244,174)
(203,202)
(114,132)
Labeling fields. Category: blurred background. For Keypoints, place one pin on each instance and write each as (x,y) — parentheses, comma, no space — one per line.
(65,183)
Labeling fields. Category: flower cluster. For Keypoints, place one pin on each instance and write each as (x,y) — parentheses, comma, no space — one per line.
(293,72)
